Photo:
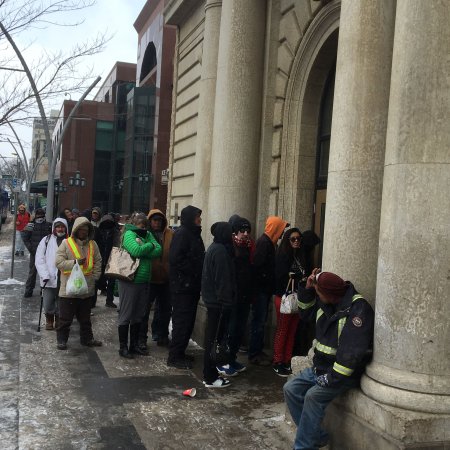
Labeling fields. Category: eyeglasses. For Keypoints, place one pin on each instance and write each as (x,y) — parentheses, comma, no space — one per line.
(295,239)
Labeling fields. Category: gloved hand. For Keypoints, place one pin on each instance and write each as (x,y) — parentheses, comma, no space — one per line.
(322,380)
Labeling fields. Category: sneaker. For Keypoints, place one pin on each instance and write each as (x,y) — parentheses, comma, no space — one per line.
(179,364)
(243,349)
(280,370)
(288,368)
(92,343)
(227,370)
(28,294)
(238,367)
(219,383)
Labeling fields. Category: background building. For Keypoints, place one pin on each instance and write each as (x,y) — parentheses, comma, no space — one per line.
(331,115)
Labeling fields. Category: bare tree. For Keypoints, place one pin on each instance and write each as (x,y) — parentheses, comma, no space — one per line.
(33,84)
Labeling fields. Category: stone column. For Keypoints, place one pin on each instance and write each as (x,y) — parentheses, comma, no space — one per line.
(358,136)
(237,117)
(205,121)
(411,365)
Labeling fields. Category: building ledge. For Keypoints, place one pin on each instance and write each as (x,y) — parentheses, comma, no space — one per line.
(177,11)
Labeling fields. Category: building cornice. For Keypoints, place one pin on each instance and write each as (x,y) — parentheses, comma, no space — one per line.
(177,11)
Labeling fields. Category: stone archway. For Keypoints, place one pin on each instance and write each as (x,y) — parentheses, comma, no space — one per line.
(314,58)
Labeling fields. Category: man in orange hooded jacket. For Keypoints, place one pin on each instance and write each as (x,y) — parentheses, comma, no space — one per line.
(264,267)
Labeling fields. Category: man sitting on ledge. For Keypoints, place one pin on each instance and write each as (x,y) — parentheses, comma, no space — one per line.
(344,334)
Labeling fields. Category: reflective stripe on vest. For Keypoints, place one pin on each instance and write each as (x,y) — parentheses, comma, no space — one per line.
(302,305)
(342,369)
(89,264)
(331,350)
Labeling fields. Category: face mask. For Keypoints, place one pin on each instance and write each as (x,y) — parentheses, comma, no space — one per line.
(61,234)
(40,220)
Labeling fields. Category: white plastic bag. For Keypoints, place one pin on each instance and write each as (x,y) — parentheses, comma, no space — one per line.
(76,284)
(289,301)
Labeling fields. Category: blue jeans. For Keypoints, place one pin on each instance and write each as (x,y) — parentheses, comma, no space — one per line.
(307,403)
(20,246)
(260,308)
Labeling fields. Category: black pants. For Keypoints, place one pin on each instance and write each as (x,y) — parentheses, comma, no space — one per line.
(160,294)
(70,308)
(31,280)
(104,284)
(238,326)
(184,311)
(213,327)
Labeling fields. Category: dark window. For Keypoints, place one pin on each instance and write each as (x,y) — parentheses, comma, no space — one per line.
(149,61)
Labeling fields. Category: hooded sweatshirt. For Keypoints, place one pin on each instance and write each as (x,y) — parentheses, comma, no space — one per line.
(264,258)
(107,236)
(96,223)
(218,277)
(141,244)
(65,259)
(160,265)
(186,254)
(46,254)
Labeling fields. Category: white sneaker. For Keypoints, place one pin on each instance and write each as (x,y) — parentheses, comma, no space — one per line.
(219,383)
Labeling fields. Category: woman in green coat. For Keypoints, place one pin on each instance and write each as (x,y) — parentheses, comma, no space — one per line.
(139,243)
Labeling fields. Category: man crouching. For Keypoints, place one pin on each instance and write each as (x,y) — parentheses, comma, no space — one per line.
(344,333)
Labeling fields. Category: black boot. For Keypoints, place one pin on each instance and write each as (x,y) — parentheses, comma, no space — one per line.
(123,341)
(134,341)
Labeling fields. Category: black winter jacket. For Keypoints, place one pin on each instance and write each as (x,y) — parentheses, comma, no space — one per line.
(283,266)
(345,354)
(264,265)
(33,234)
(218,278)
(107,236)
(186,255)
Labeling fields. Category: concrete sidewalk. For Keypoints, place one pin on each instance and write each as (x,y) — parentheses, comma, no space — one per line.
(86,398)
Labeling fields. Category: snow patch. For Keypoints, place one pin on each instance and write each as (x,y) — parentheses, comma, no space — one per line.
(12,281)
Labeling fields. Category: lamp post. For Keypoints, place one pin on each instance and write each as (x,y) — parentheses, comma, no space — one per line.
(144,179)
(59,188)
(77,182)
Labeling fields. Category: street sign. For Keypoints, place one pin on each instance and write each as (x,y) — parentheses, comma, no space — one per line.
(16,184)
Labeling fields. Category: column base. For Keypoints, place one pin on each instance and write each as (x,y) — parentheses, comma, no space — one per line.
(355,421)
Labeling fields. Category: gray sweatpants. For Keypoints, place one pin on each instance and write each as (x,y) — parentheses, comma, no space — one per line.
(50,297)
(132,302)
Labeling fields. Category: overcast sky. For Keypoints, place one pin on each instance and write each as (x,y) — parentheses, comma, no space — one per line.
(116,17)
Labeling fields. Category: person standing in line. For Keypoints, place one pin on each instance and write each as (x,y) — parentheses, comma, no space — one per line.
(22,219)
(107,236)
(66,213)
(96,216)
(81,247)
(48,273)
(264,269)
(219,296)
(186,255)
(290,267)
(244,248)
(32,235)
(159,290)
(139,243)
(344,333)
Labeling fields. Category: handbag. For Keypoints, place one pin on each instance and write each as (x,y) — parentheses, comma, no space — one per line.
(220,351)
(289,301)
(76,283)
(121,265)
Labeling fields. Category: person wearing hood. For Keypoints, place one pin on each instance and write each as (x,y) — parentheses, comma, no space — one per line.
(186,255)
(159,290)
(66,213)
(96,216)
(264,271)
(107,236)
(31,236)
(244,248)
(344,323)
(48,273)
(81,247)
(139,243)
(219,296)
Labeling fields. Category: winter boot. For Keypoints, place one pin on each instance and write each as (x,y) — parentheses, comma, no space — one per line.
(49,320)
(56,324)
(123,341)
(134,341)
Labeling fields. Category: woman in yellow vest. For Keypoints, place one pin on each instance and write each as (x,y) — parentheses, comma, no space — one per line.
(81,247)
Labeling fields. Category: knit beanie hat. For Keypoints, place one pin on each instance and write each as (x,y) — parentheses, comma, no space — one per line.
(331,285)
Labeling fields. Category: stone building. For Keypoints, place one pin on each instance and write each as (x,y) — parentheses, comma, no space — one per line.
(297,107)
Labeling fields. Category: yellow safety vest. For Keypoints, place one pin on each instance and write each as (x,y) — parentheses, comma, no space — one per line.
(89,263)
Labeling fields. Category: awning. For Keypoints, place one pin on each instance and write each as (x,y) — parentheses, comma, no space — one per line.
(40,187)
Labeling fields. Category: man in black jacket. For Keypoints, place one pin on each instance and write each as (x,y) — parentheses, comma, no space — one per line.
(344,332)
(219,295)
(186,255)
(31,236)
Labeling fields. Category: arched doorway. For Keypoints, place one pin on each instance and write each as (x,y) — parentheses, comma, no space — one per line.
(307,125)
